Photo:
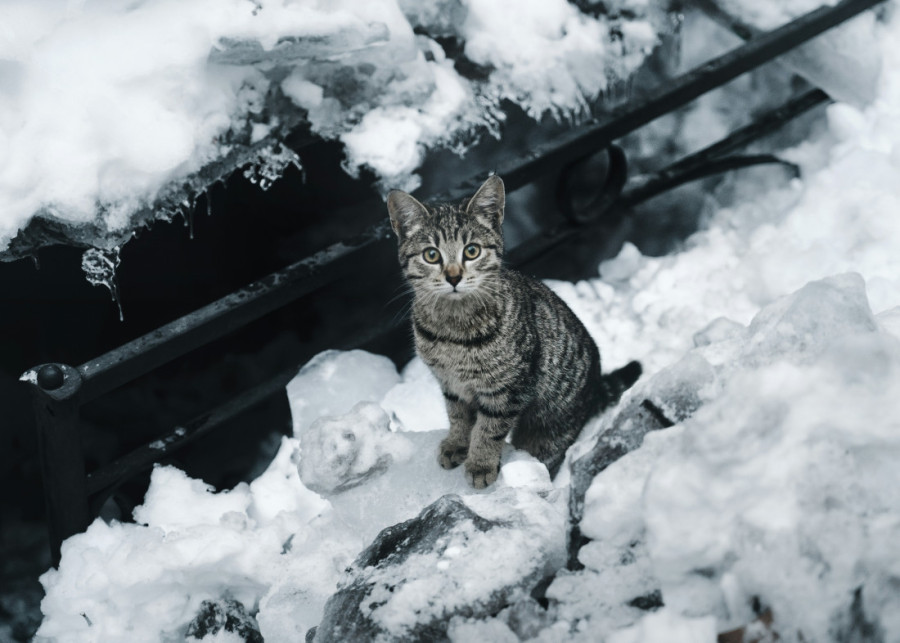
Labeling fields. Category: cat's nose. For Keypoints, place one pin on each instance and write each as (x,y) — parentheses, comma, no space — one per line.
(454,279)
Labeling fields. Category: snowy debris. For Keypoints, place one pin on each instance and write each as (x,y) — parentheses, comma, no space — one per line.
(443,563)
(156,100)
(225,619)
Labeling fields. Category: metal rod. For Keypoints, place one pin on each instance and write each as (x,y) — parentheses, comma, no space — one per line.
(707,161)
(141,355)
(107,478)
(110,476)
(762,126)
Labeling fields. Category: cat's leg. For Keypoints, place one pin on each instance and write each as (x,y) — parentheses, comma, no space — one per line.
(547,439)
(486,445)
(454,448)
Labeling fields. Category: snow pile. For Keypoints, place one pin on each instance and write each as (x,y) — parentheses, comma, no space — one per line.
(444,566)
(773,239)
(779,491)
(274,545)
(108,107)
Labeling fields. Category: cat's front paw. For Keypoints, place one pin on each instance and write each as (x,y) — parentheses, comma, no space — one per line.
(481,476)
(452,454)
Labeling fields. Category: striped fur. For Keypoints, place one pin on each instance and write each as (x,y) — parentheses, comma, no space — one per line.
(509,354)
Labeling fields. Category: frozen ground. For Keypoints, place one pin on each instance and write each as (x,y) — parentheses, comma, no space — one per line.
(774,506)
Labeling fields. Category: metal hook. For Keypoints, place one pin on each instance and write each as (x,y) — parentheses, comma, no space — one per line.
(604,198)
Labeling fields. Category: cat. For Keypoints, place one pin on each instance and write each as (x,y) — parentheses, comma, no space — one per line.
(509,354)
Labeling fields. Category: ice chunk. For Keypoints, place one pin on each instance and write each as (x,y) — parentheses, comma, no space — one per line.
(522,470)
(332,382)
(803,323)
(340,452)
(417,402)
(784,481)
(718,330)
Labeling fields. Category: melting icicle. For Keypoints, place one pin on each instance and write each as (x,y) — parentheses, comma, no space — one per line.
(270,164)
(99,268)
(188,214)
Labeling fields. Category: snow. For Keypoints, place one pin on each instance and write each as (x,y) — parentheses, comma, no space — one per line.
(108,107)
(775,331)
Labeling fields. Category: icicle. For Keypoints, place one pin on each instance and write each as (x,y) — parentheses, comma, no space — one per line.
(99,268)
(270,164)
(209,200)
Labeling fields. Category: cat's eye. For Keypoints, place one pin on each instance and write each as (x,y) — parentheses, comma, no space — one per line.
(471,251)
(431,255)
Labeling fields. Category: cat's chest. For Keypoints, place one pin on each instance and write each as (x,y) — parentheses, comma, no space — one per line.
(460,371)
(467,364)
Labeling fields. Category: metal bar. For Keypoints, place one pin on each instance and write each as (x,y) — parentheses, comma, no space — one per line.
(111,475)
(697,165)
(670,179)
(232,311)
(55,390)
(141,355)
(762,126)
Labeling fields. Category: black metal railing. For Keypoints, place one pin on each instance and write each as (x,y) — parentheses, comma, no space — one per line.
(73,495)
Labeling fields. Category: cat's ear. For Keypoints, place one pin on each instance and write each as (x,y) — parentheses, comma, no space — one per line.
(489,201)
(406,213)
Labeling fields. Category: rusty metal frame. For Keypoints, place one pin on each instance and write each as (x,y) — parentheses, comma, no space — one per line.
(73,496)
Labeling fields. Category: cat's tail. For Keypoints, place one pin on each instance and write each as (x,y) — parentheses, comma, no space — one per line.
(620,380)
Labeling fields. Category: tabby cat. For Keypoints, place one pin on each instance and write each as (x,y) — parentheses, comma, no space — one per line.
(509,354)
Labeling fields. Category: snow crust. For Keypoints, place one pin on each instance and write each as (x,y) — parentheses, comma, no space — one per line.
(779,492)
(105,105)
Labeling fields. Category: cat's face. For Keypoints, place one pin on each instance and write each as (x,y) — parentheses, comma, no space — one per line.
(450,251)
